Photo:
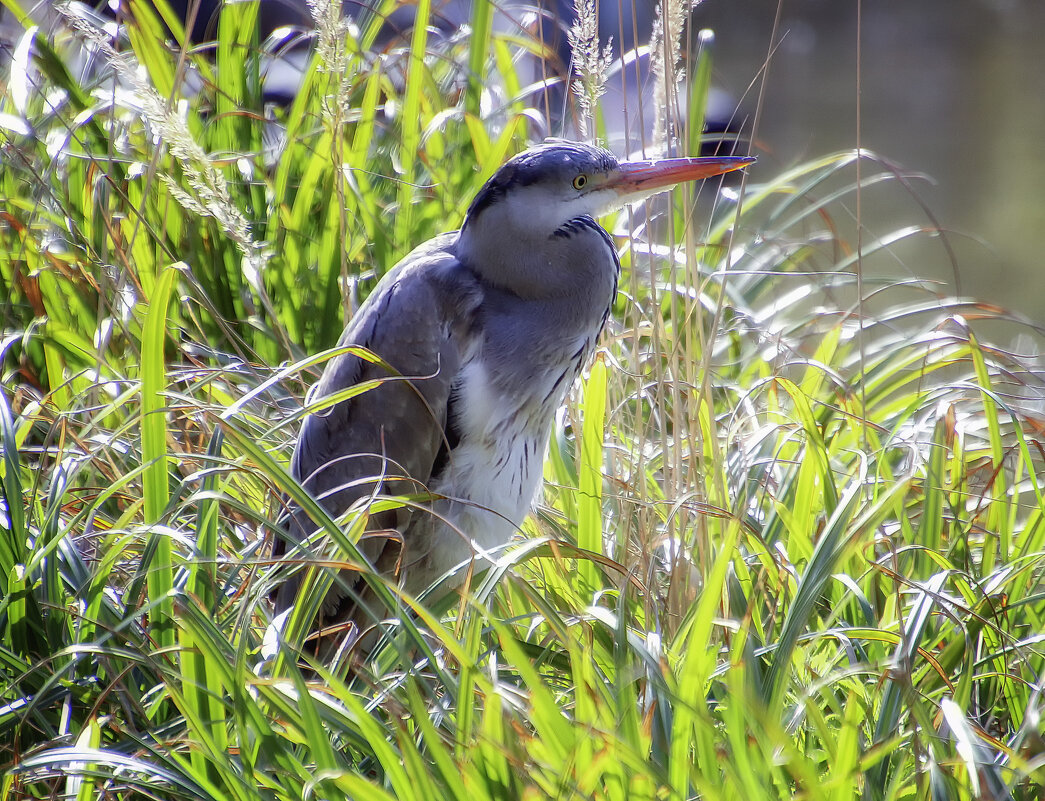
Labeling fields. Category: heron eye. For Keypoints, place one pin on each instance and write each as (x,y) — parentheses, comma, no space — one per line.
(580,181)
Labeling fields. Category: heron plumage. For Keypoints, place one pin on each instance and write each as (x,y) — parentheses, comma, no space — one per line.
(485,330)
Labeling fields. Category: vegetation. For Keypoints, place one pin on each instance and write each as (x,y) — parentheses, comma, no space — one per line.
(792,543)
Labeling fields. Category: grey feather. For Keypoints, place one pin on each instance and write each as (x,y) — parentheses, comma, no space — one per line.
(491,325)
(418,319)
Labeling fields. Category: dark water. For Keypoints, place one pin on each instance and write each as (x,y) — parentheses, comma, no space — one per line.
(952,88)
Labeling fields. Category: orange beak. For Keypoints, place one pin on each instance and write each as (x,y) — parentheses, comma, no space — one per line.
(640,179)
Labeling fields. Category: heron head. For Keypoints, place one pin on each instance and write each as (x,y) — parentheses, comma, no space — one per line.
(544,188)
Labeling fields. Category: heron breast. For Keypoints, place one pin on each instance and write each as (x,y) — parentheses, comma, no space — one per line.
(498,461)
(493,472)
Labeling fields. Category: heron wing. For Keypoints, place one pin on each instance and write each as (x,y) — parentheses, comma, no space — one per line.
(419,320)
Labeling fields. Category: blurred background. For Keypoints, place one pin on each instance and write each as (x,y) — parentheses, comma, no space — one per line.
(951,88)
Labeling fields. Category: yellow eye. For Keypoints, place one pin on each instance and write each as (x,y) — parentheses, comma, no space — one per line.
(580,181)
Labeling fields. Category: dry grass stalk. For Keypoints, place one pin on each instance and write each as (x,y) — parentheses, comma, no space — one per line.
(590,63)
(666,63)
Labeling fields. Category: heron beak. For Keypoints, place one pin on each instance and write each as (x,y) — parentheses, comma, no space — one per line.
(636,180)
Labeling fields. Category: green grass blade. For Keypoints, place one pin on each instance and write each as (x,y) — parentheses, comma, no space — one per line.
(478,52)
(411,124)
(590,471)
(155,478)
(833,539)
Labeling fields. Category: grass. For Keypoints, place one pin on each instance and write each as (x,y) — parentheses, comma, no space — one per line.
(792,540)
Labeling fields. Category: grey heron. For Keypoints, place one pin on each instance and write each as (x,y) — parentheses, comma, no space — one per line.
(485,330)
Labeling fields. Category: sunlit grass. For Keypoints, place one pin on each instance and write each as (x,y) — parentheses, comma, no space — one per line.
(791,542)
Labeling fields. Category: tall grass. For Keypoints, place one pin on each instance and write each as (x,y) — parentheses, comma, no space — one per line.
(791,542)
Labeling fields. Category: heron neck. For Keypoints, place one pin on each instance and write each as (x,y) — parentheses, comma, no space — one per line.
(575,263)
